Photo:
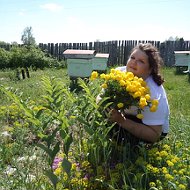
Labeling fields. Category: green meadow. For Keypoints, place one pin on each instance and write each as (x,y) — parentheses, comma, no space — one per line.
(52,137)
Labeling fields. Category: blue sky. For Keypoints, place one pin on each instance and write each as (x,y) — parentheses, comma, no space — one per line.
(63,21)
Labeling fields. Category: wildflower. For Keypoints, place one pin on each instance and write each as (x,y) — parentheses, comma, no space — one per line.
(170,163)
(142,102)
(94,75)
(166,147)
(168,176)
(120,105)
(10,170)
(58,171)
(153,108)
(152,184)
(85,164)
(147,96)
(102,76)
(137,94)
(163,153)
(56,162)
(140,116)
(104,86)
(155,102)
(130,75)
(181,186)
(155,170)
(181,172)
(122,83)
(164,170)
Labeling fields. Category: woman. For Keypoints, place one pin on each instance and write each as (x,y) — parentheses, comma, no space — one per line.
(144,62)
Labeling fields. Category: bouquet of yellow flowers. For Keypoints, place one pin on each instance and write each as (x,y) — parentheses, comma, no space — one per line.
(124,90)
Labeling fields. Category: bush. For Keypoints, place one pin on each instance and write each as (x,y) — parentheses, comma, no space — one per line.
(4,58)
(30,56)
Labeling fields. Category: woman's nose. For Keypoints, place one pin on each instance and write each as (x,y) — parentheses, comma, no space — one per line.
(134,62)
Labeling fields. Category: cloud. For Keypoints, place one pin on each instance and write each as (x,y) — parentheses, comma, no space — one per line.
(22,12)
(52,7)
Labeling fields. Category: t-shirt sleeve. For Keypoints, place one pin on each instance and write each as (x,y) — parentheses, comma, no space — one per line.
(158,117)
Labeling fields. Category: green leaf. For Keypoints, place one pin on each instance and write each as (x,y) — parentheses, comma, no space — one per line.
(46,149)
(56,149)
(66,166)
(63,134)
(67,143)
(87,127)
(52,177)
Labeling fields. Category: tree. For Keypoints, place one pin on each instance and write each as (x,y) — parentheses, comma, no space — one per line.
(27,36)
(177,38)
(3,43)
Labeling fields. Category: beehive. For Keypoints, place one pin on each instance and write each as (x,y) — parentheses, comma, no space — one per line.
(182,58)
(79,62)
(99,62)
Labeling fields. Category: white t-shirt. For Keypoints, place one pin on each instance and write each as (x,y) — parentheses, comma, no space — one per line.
(161,116)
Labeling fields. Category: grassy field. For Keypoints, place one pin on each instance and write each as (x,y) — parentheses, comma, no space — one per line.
(23,163)
(30,87)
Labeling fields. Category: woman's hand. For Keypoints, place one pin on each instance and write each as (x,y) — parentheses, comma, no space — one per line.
(115,116)
(146,132)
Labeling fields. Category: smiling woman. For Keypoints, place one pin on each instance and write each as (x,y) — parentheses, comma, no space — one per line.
(144,62)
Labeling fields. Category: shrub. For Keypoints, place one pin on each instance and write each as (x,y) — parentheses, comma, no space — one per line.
(31,56)
(4,58)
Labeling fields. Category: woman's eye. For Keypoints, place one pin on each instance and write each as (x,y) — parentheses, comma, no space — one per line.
(132,57)
(141,61)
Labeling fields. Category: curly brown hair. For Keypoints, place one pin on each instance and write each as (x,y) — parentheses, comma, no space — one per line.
(155,61)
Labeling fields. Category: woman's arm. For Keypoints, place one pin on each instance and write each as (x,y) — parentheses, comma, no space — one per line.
(139,130)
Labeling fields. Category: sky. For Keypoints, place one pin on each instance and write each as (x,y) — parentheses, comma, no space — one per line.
(83,21)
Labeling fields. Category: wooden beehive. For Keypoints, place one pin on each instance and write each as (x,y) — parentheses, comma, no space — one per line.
(99,62)
(182,58)
(79,62)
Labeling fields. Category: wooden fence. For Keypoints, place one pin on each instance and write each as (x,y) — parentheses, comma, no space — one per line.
(118,50)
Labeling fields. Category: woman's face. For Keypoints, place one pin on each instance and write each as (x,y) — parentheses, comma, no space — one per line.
(138,64)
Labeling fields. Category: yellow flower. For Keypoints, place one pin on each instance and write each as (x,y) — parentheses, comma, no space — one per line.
(112,71)
(163,153)
(155,102)
(129,75)
(147,96)
(166,147)
(153,108)
(164,170)
(122,83)
(102,76)
(140,116)
(58,171)
(137,94)
(181,186)
(94,75)
(107,77)
(118,77)
(104,86)
(120,105)
(142,102)
(74,166)
(170,163)
(152,184)
(168,176)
